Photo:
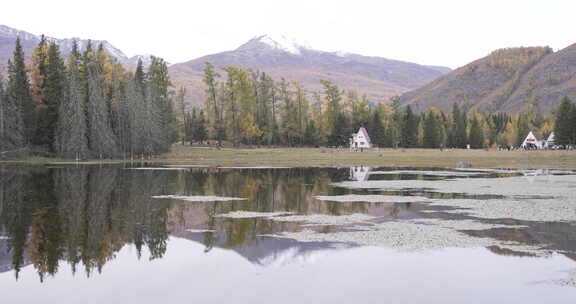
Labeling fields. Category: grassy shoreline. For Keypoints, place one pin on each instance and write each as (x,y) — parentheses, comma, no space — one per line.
(324,157)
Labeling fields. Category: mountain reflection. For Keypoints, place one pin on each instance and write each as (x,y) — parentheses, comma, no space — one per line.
(84,216)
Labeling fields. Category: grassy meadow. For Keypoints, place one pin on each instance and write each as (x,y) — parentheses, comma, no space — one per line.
(325,157)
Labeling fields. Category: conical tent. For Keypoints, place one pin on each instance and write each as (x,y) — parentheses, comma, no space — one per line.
(551,138)
(531,142)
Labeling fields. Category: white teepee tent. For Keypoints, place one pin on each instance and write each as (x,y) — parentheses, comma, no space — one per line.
(550,142)
(531,142)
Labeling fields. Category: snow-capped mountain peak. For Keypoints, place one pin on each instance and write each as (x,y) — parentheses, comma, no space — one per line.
(284,43)
(278,42)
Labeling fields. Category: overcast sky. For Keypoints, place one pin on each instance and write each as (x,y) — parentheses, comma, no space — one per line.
(439,32)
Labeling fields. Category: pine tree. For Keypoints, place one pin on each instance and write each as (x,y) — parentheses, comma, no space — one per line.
(19,92)
(11,126)
(85,60)
(71,133)
(162,105)
(476,134)
(38,70)
(101,139)
(54,85)
(333,97)
(341,131)
(159,81)
(573,121)
(180,96)
(432,137)
(302,109)
(201,133)
(265,97)
(231,103)
(191,125)
(289,119)
(358,109)
(394,125)
(212,102)
(564,126)
(460,137)
(3,141)
(311,134)
(376,130)
(139,75)
(137,117)
(523,127)
(409,129)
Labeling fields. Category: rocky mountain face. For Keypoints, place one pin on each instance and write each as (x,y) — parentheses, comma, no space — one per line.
(506,80)
(29,41)
(279,56)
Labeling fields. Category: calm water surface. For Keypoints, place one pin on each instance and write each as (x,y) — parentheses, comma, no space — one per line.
(97,235)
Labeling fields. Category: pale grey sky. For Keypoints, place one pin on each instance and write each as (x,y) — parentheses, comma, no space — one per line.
(440,32)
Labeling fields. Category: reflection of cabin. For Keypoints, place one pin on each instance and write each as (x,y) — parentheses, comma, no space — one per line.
(532,143)
(360,173)
(360,140)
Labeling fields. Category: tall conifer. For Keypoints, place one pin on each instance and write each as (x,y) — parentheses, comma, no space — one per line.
(54,90)
(19,92)
(376,130)
(71,132)
(564,127)
(410,129)
(11,126)
(476,134)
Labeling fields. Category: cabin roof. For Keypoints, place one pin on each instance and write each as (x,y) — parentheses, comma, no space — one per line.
(365,133)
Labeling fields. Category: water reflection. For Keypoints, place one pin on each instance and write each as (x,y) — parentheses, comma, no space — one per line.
(84,216)
(360,173)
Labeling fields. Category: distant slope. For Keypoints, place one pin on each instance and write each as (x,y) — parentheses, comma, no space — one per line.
(379,78)
(506,80)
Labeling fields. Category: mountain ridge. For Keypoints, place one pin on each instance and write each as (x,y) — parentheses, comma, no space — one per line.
(504,81)
(380,78)
(29,41)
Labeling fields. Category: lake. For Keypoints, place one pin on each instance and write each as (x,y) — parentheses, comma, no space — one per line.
(124,234)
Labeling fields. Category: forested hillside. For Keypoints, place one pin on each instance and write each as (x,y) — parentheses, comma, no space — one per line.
(249,107)
(507,80)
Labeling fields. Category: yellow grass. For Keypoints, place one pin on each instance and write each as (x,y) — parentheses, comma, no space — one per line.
(298,157)
(324,157)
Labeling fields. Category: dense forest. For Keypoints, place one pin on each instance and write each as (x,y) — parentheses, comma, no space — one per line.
(85,106)
(249,107)
(89,106)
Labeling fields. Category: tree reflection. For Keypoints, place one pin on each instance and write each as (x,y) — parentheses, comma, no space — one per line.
(85,215)
(80,215)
